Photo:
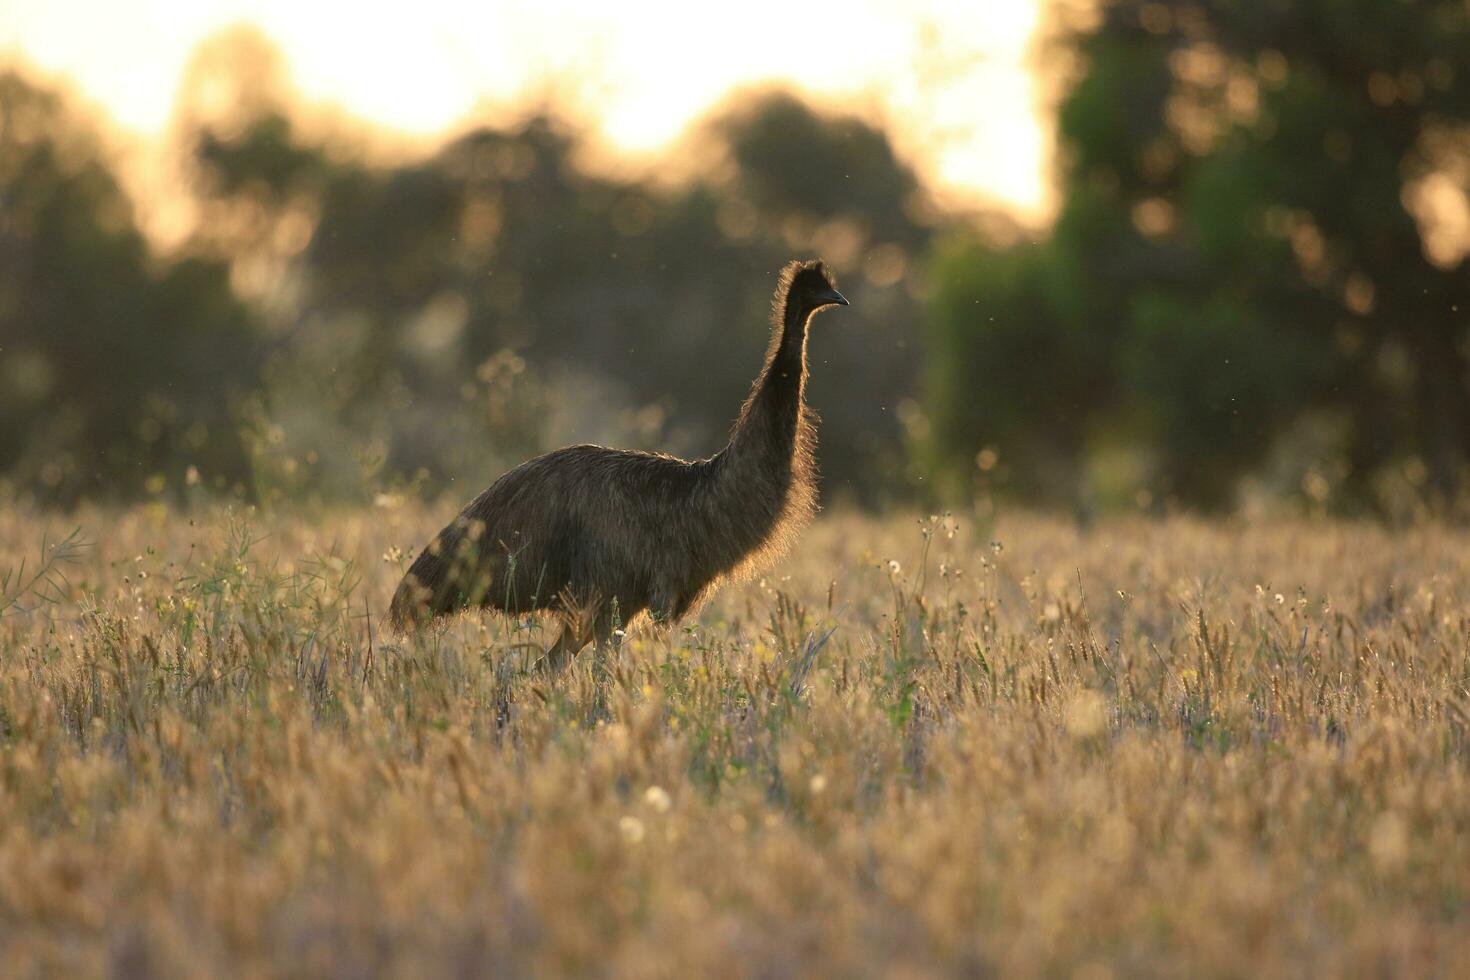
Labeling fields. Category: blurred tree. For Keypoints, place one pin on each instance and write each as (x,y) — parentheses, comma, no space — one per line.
(1264,223)
(343,318)
(414,278)
(791,160)
(117,367)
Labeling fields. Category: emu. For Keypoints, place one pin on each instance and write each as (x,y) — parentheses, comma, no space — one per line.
(601,536)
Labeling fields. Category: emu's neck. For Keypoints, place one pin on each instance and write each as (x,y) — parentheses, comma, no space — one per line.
(762,485)
(772,431)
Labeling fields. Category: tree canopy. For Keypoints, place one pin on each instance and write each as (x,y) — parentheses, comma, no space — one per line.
(1256,269)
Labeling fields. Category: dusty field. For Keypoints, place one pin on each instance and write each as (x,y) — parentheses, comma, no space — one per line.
(1148,748)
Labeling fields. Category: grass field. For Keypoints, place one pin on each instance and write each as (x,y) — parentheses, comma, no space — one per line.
(1149,747)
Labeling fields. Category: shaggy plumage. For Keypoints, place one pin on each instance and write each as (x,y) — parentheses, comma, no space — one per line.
(602,536)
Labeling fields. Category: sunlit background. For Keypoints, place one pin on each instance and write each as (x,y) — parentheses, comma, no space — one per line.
(1102,253)
(952,79)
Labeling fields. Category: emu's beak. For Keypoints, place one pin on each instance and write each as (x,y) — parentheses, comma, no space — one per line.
(831,296)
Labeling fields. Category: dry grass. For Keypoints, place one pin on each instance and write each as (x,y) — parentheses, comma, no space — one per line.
(1150,748)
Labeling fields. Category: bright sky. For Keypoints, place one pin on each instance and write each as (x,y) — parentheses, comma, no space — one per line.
(951,77)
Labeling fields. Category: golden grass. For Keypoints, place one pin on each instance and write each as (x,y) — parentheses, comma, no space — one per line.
(1148,748)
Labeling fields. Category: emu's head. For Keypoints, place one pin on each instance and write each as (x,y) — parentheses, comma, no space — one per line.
(807,287)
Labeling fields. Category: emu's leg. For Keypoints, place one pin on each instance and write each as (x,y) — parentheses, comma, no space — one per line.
(577,631)
(576,615)
(665,608)
(567,646)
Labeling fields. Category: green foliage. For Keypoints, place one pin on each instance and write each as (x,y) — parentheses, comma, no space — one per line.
(1244,244)
(1021,383)
(45,581)
(1209,396)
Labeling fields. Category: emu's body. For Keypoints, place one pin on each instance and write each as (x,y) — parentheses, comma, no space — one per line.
(603,535)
